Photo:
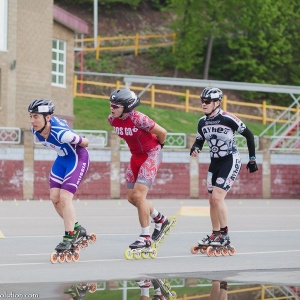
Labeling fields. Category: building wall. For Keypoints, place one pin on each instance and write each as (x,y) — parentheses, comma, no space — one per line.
(34,53)
(25,68)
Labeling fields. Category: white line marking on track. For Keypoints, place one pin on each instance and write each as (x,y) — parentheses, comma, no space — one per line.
(172,233)
(161,257)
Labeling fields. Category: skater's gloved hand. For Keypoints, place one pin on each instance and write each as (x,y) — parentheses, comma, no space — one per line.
(193,149)
(252,166)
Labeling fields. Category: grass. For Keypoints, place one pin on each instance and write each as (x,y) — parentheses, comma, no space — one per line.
(91,114)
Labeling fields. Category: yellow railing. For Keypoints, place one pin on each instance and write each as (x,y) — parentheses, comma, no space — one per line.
(126,43)
(261,289)
(185,100)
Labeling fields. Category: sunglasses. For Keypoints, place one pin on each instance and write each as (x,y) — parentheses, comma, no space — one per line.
(206,102)
(114,106)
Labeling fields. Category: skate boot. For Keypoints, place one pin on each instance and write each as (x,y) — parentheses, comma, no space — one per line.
(79,291)
(165,290)
(224,285)
(220,246)
(141,248)
(65,251)
(82,239)
(203,245)
(162,228)
(144,283)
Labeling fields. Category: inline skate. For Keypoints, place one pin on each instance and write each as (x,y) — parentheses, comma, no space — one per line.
(82,239)
(79,291)
(65,252)
(165,289)
(203,245)
(141,248)
(159,235)
(220,246)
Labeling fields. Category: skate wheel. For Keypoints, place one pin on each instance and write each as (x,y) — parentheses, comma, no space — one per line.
(195,250)
(137,255)
(53,258)
(217,252)
(168,286)
(93,287)
(231,250)
(224,251)
(92,238)
(68,257)
(210,251)
(203,249)
(61,257)
(85,244)
(153,254)
(77,248)
(128,254)
(173,221)
(76,256)
(145,255)
(173,295)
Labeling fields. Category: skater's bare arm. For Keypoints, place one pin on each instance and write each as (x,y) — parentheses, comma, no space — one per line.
(160,132)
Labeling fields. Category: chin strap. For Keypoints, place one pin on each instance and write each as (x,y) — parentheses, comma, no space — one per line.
(41,130)
(208,115)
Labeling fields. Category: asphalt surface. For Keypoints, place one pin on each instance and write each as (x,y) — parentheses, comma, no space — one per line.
(265,234)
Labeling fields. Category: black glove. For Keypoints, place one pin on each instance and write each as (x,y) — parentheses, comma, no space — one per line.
(162,145)
(252,166)
(194,149)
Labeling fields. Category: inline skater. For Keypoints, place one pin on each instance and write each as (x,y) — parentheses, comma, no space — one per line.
(218,128)
(68,169)
(145,139)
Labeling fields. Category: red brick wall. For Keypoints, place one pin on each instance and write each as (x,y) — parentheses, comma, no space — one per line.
(172,182)
(95,185)
(11,179)
(285,181)
(246,185)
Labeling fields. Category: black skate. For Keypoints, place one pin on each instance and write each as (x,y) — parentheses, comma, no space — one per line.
(141,248)
(220,246)
(65,251)
(160,232)
(79,291)
(203,245)
(165,289)
(82,239)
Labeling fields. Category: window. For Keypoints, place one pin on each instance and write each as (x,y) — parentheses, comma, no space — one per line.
(3,25)
(58,63)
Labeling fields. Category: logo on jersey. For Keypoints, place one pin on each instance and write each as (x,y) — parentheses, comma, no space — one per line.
(127,131)
(214,129)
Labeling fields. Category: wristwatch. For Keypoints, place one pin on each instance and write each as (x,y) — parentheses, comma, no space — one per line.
(252,158)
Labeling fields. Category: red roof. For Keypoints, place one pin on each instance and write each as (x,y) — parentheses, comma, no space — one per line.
(67,19)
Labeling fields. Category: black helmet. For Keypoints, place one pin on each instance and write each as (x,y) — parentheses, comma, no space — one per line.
(41,106)
(126,98)
(213,94)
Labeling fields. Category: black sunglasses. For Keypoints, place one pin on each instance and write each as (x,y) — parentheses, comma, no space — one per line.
(207,102)
(114,106)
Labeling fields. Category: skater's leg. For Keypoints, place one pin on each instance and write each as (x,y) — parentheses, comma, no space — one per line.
(215,290)
(137,197)
(68,209)
(55,196)
(218,208)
